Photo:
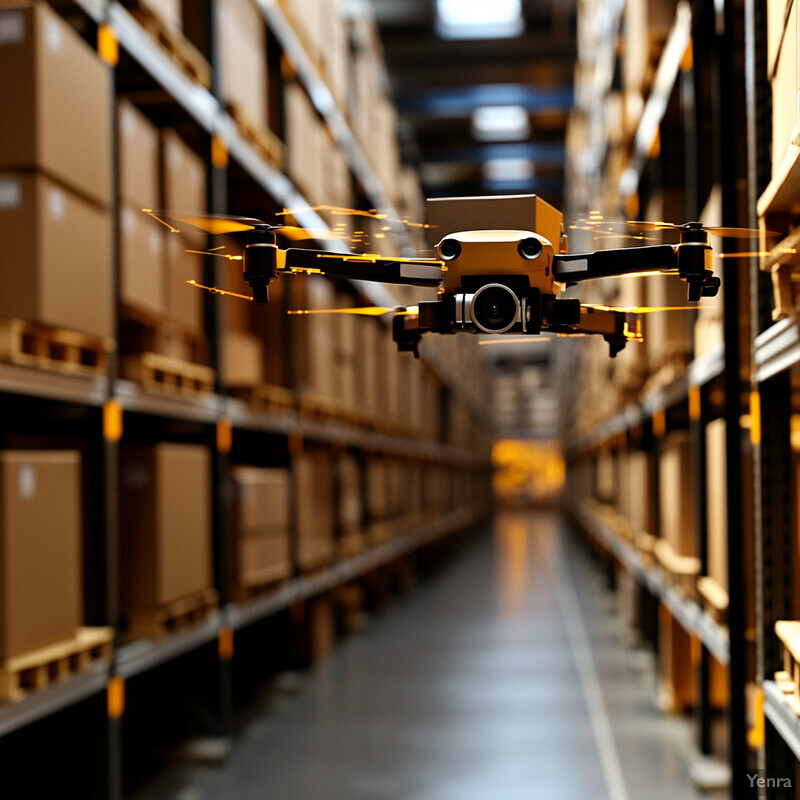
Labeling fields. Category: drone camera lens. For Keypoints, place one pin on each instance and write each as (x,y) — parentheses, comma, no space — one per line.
(530,248)
(450,249)
(495,308)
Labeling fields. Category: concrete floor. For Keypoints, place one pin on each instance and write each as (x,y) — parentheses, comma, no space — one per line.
(504,678)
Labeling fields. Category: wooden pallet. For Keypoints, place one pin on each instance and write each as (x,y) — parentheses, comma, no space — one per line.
(54,663)
(714,598)
(276,399)
(788,679)
(319,407)
(682,571)
(188,58)
(141,332)
(31,344)
(169,375)
(351,544)
(155,621)
(269,146)
(267,580)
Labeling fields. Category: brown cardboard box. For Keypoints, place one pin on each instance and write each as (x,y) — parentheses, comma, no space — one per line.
(142,244)
(716,502)
(242,359)
(377,489)
(784,79)
(675,492)
(56,256)
(304,140)
(58,94)
(525,212)
(184,174)
(312,337)
(667,335)
(351,503)
(637,492)
(166,523)
(243,55)
(183,303)
(138,158)
(314,513)
(40,560)
(261,525)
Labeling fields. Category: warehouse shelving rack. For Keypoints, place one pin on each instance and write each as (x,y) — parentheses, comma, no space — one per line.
(715,384)
(109,401)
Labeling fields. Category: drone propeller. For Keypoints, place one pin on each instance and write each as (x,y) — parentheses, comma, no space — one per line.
(366,311)
(732,233)
(641,309)
(217,224)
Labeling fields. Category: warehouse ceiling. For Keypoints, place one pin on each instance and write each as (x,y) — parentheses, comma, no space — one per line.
(448,91)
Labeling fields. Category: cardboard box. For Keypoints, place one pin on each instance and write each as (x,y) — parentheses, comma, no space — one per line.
(312,337)
(304,141)
(351,502)
(142,245)
(184,303)
(636,493)
(675,493)
(59,99)
(56,256)
(242,359)
(40,536)
(783,74)
(166,523)
(261,521)
(717,502)
(667,335)
(524,212)
(314,508)
(138,156)
(184,174)
(243,58)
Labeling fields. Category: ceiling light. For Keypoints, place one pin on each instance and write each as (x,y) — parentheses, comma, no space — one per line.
(479,19)
(500,123)
(508,170)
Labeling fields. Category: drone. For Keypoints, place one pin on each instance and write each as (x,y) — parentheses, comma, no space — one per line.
(489,280)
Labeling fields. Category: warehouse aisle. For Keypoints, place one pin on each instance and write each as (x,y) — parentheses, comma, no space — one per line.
(484,683)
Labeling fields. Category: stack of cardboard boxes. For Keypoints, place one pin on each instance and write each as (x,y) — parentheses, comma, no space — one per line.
(55,175)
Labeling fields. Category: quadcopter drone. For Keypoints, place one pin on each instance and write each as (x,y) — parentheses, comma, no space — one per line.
(490,281)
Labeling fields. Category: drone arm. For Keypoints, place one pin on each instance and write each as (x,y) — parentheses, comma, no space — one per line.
(615,262)
(616,327)
(404,271)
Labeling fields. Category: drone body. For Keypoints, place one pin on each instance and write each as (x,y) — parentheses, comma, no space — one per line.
(500,265)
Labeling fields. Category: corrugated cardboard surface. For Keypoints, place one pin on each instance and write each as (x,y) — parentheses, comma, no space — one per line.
(314,513)
(675,487)
(58,93)
(242,359)
(243,46)
(183,303)
(261,524)
(138,158)
(351,504)
(56,256)
(142,246)
(166,523)
(184,174)
(313,336)
(524,212)
(40,560)
(716,502)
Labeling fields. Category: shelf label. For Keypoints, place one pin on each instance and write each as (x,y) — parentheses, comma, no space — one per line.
(107,45)
(755,418)
(225,644)
(755,736)
(219,152)
(224,436)
(112,421)
(115,697)
(695,403)
(659,423)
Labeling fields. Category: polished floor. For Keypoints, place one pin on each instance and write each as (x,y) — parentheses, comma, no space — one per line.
(503,678)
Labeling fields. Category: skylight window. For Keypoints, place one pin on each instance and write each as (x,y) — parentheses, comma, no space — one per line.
(479,19)
(500,124)
(508,170)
